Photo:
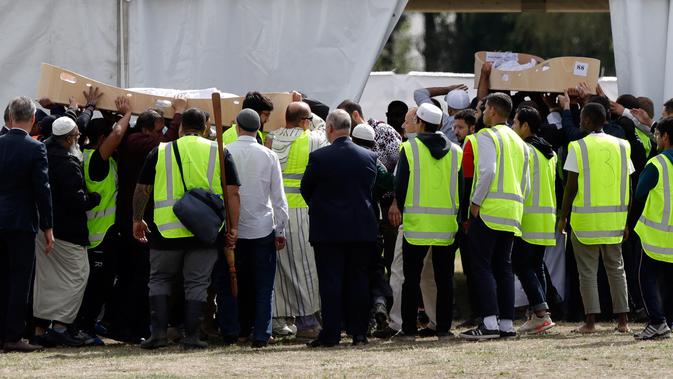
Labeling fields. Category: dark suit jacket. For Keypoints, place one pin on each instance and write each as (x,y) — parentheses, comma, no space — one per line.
(24,183)
(337,187)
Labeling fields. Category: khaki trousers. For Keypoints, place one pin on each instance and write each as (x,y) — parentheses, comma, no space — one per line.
(586,257)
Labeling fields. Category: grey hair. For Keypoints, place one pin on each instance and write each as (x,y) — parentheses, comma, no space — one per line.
(21,109)
(339,119)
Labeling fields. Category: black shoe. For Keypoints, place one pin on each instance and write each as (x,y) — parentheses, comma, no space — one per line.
(359,341)
(41,341)
(318,343)
(422,317)
(480,333)
(381,316)
(62,338)
(444,335)
(159,319)
(385,333)
(229,340)
(427,332)
(511,334)
(193,320)
(259,344)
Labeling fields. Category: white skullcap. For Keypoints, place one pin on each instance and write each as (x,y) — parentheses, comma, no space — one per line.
(429,113)
(364,132)
(62,126)
(457,99)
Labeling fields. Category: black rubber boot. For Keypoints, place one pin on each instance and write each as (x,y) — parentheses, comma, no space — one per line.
(193,320)
(159,319)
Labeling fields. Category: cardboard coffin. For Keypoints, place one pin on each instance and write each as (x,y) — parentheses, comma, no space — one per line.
(551,75)
(59,84)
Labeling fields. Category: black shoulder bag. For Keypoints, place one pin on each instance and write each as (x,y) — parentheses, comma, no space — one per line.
(201,211)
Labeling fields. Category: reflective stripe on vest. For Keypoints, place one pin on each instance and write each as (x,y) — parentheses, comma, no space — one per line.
(655,226)
(431,203)
(502,209)
(539,210)
(293,172)
(101,217)
(195,152)
(600,217)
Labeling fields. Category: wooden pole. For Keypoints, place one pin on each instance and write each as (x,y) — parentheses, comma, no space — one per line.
(228,251)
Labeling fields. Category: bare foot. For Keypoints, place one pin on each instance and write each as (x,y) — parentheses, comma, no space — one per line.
(623,328)
(585,329)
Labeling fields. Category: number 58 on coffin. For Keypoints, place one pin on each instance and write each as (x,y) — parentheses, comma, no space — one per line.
(59,85)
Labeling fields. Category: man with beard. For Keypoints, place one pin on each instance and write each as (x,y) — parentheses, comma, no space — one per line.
(61,275)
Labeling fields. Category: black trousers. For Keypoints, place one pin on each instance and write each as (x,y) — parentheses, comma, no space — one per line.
(491,267)
(17,261)
(127,312)
(442,263)
(343,276)
(102,273)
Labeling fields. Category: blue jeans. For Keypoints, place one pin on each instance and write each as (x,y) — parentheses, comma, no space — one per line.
(528,265)
(256,272)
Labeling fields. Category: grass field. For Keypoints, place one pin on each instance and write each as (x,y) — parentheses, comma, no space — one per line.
(558,354)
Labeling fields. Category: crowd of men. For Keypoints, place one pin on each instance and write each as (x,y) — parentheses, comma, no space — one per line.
(338,225)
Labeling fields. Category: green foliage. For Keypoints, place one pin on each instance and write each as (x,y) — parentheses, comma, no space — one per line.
(394,57)
(451,39)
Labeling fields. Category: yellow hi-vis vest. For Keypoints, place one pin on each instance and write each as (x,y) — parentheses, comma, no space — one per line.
(655,226)
(538,223)
(201,168)
(502,209)
(101,217)
(601,204)
(431,204)
(645,139)
(230,135)
(297,160)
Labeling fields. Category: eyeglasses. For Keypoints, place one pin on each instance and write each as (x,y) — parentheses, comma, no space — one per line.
(307,118)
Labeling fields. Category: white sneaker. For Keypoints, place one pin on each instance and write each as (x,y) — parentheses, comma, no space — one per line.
(281,329)
(537,324)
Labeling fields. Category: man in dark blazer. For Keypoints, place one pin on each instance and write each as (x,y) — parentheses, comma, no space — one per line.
(337,186)
(24,191)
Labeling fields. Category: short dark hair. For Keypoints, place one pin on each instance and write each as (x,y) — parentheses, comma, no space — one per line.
(6,114)
(666,126)
(602,101)
(436,102)
(350,106)
(595,113)
(531,116)
(467,115)
(628,101)
(147,119)
(98,127)
(397,108)
(193,119)
(501,102)
(257,102)
(669,106)
(646,104)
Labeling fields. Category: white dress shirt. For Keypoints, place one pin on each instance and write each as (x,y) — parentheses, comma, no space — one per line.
(263,202)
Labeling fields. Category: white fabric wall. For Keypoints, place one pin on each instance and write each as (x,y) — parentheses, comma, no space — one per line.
(323,48)
(78,34)
(642,34)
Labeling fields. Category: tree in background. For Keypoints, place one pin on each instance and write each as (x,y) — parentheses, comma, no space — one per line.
(451,39)
(394,56)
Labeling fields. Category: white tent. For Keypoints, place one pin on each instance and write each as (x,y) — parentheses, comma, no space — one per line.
(324,48)
(321,47)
